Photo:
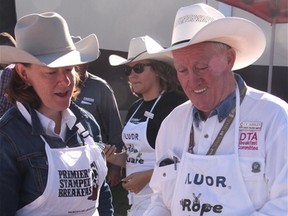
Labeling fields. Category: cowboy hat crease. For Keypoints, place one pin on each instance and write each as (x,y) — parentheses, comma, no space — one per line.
(140,48)
(44,39)
(202,23)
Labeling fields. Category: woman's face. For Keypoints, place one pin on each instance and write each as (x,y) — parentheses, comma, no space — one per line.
(146,82)
(54,86)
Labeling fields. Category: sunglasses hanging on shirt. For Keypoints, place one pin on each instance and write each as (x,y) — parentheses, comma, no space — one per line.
(138,68)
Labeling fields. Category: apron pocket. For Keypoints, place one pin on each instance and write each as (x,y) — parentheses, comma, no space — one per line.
(254,178)
(163,179)
(252,168)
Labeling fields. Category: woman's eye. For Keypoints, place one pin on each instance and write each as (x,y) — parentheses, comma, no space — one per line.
(70,69)
(51,72)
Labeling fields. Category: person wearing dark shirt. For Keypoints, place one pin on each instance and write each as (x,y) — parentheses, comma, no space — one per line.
(153,79)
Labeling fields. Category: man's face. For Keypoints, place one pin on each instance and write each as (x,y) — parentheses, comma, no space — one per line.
(204,72)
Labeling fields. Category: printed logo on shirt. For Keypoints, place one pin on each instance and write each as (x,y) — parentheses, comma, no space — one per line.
(88,101)
(134,156)
(79,183)
(194,205)
(248,141)
(95,181)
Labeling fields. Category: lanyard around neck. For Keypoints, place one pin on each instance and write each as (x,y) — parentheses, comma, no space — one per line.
(212,150)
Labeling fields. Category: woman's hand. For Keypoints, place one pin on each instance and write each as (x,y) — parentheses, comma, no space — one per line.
(110,152)
(112,157)
(137,181)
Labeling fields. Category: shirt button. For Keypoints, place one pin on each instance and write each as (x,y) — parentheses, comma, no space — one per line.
(206,136)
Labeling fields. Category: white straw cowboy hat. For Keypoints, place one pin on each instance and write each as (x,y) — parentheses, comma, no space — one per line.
(138,50)
(201,23)
(44,39)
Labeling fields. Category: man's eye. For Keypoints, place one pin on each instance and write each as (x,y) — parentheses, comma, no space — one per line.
(181,70)
(202,68)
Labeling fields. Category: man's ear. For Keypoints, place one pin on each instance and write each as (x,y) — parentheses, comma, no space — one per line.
(231,57)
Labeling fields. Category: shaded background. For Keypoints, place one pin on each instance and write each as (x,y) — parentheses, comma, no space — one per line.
(254,75)
(7,16)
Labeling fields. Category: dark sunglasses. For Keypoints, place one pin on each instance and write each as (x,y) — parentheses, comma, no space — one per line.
(138,68)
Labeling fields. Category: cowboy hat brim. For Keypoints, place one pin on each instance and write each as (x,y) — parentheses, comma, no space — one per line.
(116,60)
(85,51)
(140,49)
(244,36)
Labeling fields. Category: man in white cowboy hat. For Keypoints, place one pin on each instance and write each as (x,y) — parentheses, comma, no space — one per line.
(224,152)
(50,161)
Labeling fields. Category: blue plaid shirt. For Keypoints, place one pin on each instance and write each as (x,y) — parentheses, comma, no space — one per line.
(5,77)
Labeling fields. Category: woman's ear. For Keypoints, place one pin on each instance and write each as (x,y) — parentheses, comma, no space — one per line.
(21,71)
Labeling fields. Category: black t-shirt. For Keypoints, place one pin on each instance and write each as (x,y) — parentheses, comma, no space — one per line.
(164,106)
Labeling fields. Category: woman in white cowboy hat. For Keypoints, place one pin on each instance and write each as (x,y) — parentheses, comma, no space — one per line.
(50,161)
(153,79)
(230,139)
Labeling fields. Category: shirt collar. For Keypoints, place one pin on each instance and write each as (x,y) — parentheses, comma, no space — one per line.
(68,119)
(224,108)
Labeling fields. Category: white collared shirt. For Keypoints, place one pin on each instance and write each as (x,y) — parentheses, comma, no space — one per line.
(68,119)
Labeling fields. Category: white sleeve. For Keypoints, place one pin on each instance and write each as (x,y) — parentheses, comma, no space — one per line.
(157,207)
(167,146)
(159,204)
(173,131)
(276,172)
(277,175)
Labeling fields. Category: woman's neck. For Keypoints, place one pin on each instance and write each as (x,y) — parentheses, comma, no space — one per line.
(56,117)
(152,94)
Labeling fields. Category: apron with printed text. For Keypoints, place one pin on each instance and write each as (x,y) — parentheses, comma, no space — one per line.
(75,176)
(211,184)
(140,157)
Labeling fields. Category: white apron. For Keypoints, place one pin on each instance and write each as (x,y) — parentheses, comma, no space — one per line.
(211,185)
(141,157)
(75,176)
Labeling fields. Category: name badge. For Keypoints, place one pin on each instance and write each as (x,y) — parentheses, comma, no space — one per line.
(149,115)
(251,126)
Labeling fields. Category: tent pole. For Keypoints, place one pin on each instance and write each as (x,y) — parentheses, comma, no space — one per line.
(271,59)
